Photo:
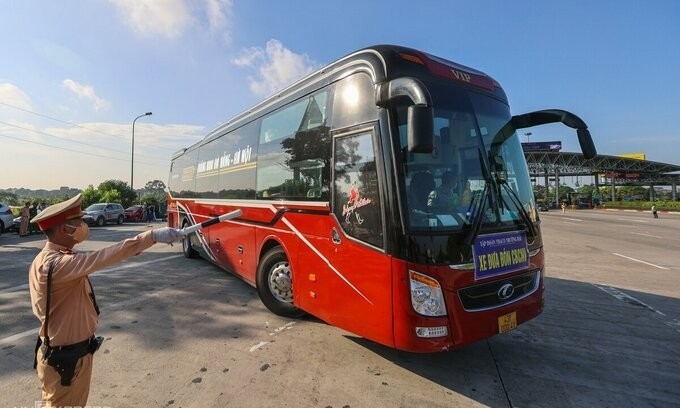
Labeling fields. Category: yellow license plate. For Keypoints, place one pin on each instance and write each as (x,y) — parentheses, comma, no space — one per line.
(507,322)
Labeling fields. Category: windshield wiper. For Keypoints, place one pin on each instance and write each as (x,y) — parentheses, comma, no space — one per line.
(518,204)
(487,193)
(478,212)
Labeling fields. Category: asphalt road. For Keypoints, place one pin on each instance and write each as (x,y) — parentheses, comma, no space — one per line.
(183,333)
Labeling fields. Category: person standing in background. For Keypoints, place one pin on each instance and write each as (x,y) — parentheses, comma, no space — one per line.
(25,213)
(32,212)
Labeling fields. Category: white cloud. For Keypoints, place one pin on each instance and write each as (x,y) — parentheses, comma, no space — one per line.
(13,95)
(218,13)
(249,57)
(172,18)
(167,18)
(86,92)
(277,67)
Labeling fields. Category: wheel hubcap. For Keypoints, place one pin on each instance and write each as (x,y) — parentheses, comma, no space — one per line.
(281,282)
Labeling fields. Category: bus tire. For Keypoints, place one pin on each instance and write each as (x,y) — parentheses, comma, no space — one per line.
(187,249)
(275,284)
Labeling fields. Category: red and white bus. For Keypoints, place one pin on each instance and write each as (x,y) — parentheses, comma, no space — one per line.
(386,194)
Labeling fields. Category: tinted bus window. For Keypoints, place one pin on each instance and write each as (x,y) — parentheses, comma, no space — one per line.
(356,199)
(294,152)
(354,101)
(226,165)
(183,175)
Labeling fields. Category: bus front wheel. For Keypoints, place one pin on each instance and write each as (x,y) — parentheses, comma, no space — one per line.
(187,249)
(275,284)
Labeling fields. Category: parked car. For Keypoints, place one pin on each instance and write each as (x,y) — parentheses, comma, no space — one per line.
(6,217)
(102,213)
(134,213)
(16,225)
(542,207)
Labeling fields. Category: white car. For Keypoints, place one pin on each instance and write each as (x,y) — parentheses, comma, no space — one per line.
(6,217)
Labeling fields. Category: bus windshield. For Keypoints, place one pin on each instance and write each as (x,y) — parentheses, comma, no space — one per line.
(446,189)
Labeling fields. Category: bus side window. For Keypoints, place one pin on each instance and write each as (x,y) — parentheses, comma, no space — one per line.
(356,201)
(354,101)
(294,152)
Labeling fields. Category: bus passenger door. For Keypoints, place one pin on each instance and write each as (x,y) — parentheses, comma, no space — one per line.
(233,246)
(361,278)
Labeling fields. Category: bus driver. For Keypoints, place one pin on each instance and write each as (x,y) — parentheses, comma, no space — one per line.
(445,197)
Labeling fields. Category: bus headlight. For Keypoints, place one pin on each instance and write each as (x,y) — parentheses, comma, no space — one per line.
(426,295)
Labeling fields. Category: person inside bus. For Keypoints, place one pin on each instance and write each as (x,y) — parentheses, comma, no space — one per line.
(445,197)
(422,183)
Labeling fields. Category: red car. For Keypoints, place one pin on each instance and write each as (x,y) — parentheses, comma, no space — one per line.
(134,213)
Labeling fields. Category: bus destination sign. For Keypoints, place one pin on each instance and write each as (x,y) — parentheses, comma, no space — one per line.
(497,254)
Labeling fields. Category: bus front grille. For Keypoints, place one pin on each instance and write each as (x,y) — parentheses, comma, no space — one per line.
(486,295)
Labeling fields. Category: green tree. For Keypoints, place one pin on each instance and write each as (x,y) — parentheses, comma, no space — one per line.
(149,200)
(127,195)
(111,196)
(154,187)
(564,192)
(540,192)
(586,189)
(91,196)
(9,198)
(636,192)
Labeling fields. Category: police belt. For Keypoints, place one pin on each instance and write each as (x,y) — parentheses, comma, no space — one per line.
(83,345)
(64,358)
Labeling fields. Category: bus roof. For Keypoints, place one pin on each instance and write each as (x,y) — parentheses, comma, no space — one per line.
(382,62)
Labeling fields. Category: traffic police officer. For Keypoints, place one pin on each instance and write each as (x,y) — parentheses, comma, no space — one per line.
(66,340)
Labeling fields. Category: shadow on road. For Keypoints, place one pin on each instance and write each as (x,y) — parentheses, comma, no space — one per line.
(587,349)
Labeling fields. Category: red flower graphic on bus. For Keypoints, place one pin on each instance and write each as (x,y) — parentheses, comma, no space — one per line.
(354,202)
(353,195)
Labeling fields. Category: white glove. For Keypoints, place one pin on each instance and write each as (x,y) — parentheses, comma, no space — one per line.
(167,235)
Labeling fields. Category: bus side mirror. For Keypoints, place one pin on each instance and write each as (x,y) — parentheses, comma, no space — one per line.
(586,142)
(420,129)
(557,115)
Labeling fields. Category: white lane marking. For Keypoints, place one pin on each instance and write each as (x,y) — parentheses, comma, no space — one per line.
(107,270)
(646,235)
(14,337)
(573,219)
(624,297)
(135,264)
(257,346)
(124,303)
(633,220)
(276,331)
(675,323)
(637,260)
(15,288)
(286,326)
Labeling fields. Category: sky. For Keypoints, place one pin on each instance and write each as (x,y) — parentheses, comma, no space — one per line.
(74,74)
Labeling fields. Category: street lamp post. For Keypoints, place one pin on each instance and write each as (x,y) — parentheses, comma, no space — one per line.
(527,134)
(132,161)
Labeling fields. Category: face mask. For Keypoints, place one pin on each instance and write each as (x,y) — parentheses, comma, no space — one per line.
(80,233)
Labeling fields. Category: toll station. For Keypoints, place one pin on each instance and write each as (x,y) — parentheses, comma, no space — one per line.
(545,161)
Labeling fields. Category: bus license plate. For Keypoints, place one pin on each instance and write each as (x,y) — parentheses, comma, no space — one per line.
(507,322)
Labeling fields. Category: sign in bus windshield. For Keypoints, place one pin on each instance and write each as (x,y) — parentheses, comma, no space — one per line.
(497,254)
